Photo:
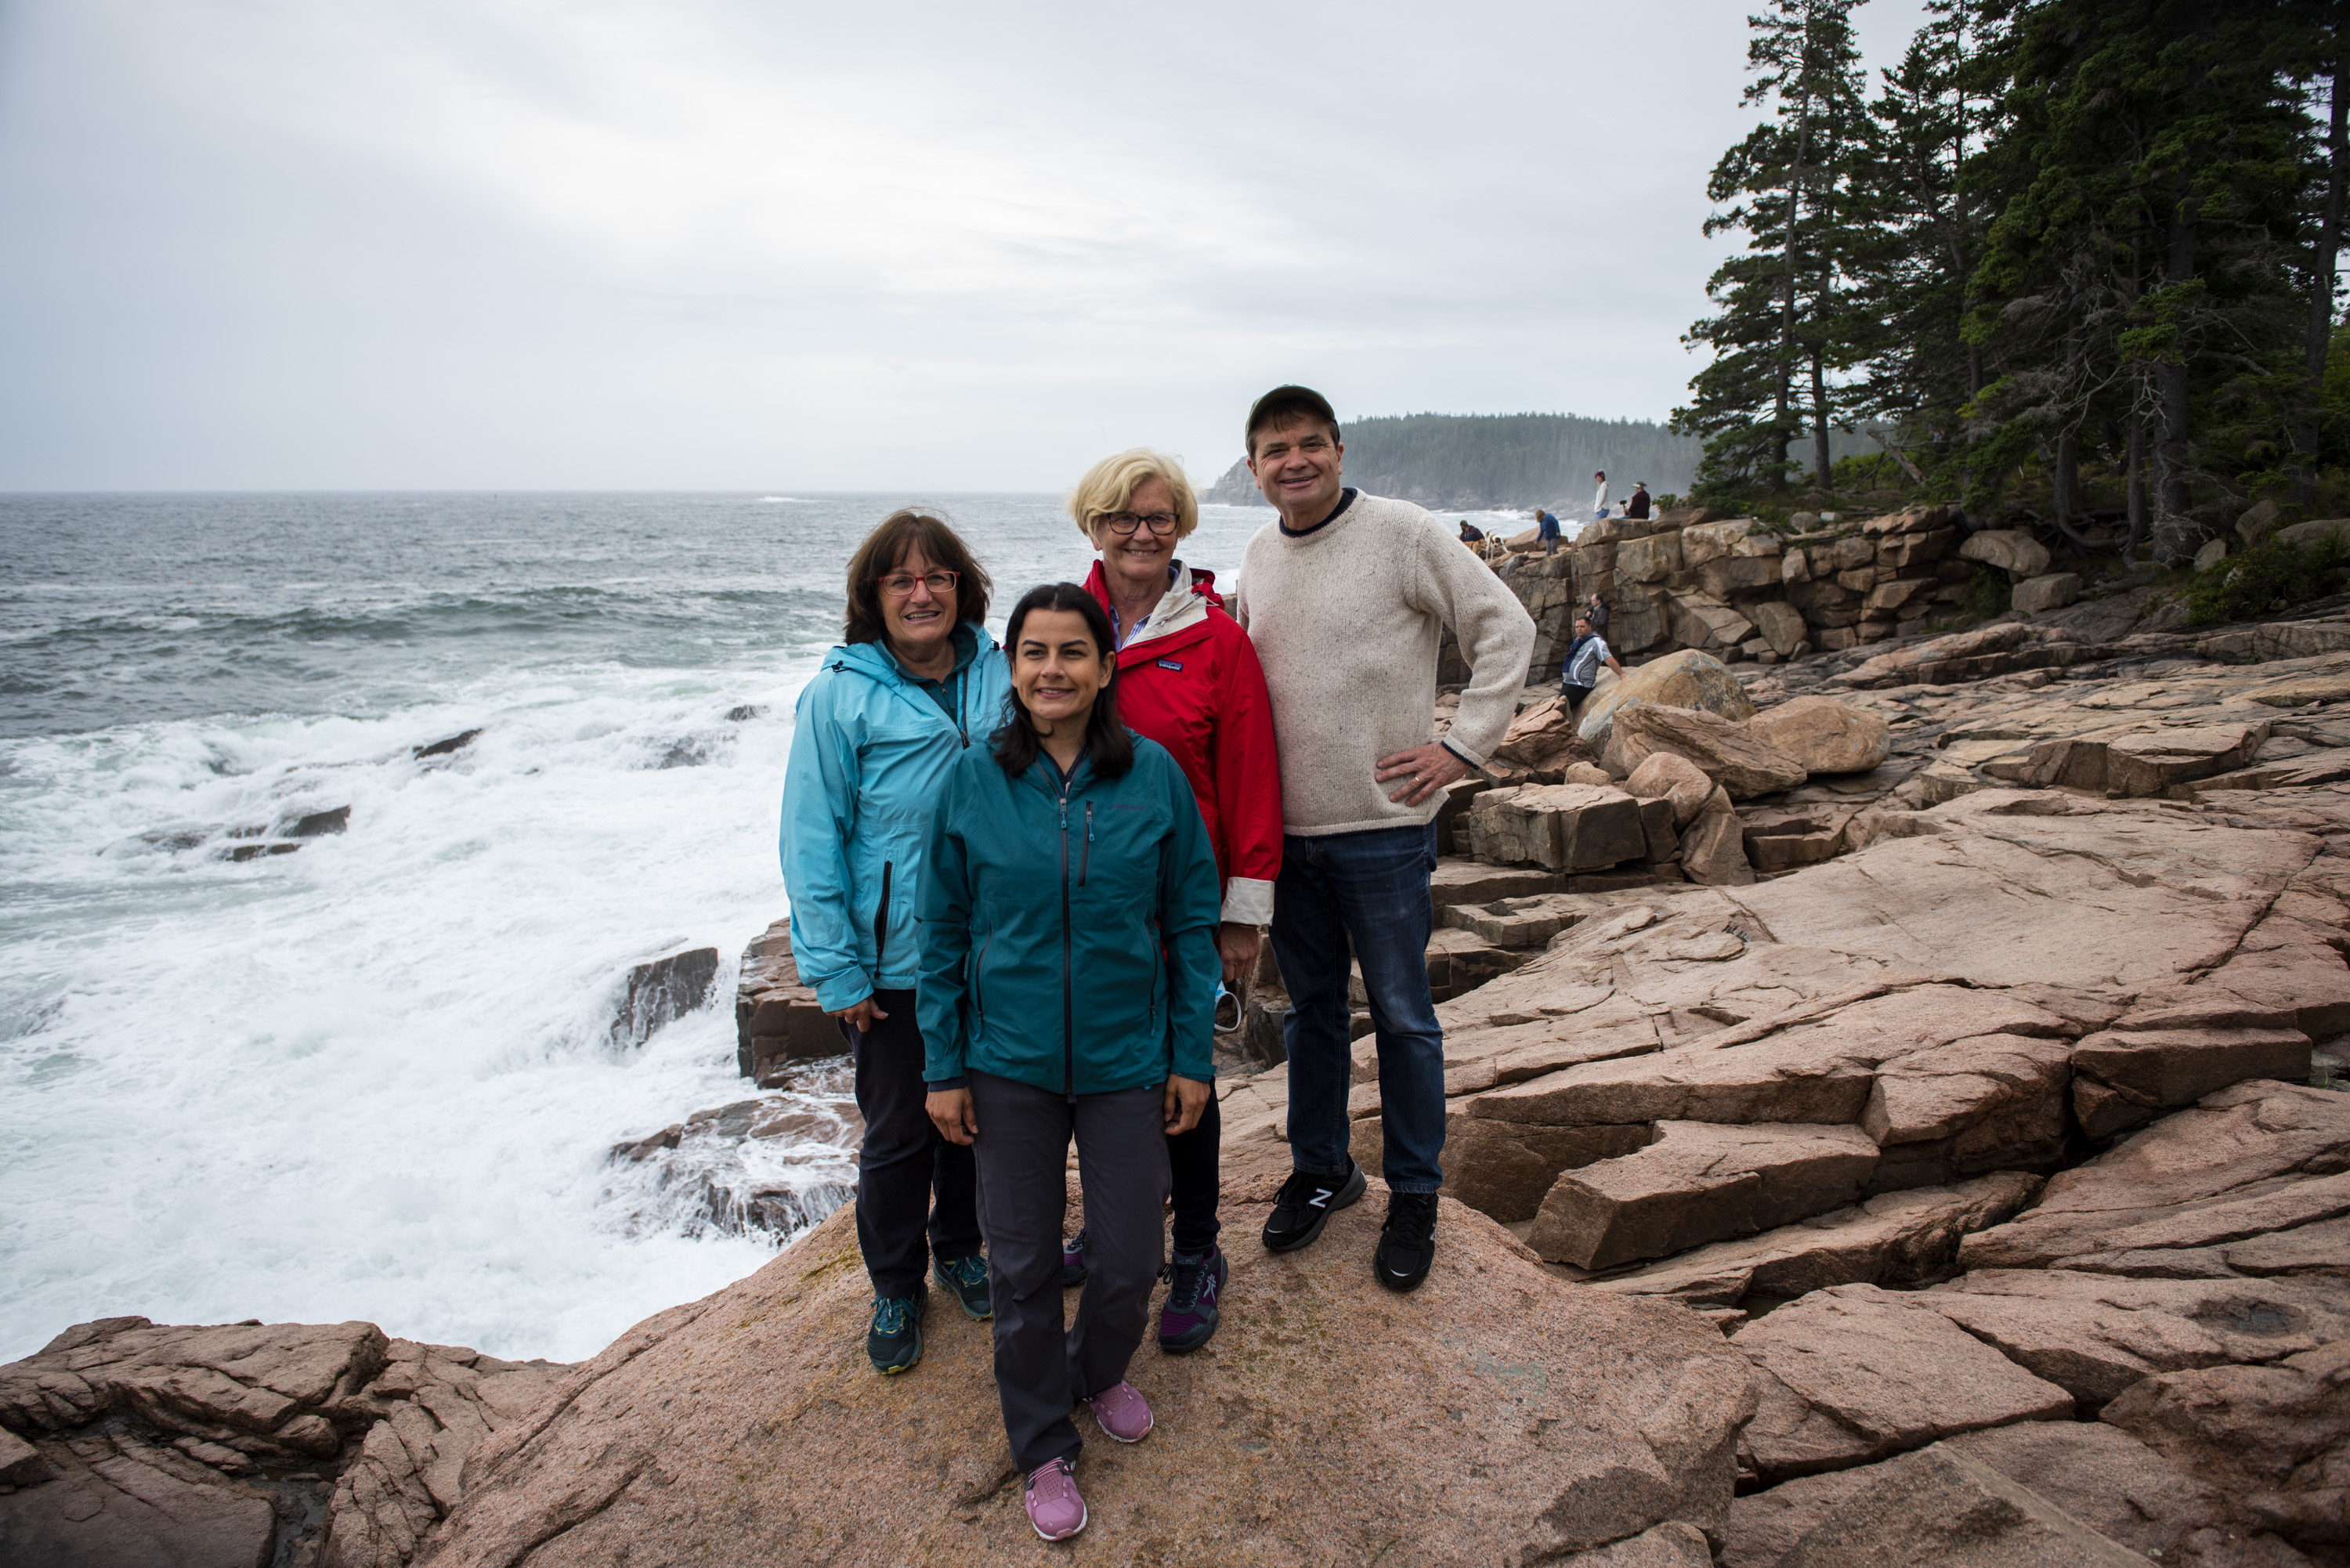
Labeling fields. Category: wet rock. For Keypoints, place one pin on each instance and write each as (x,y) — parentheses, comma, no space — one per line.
(2218,1172)
(1685,680)
(2094,1335)
(240,853)
(319,823)
(1852,1374)
(663,991)
(445,748)
(1946,1508)
(1699,1183)
(1896,1239)
(743,712)
(1731,754)
(777,1021)
(1823,735)
(1590,1422)
(2277,1439)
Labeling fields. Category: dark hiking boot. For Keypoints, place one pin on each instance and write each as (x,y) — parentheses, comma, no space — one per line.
(895,1341)
(1307,1202)
(1188,1321)
(1073,1262)
(966,1281)
(1406,1241)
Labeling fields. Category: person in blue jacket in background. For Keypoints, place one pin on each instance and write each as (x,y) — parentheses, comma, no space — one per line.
(916,680)
(1070,902)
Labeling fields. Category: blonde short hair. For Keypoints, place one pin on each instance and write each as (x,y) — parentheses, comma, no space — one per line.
(1110,483)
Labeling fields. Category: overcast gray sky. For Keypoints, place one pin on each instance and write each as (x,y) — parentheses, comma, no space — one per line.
(715,244)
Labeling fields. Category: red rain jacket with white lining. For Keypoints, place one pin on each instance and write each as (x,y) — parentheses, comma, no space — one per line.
(1191,681)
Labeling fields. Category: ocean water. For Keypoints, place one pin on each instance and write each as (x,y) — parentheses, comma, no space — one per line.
(374,1078)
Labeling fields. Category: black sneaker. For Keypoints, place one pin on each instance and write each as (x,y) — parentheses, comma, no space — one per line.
(895,1341)
(1306,1205)
(1406,1241)
(966,1281)
(1073,1262)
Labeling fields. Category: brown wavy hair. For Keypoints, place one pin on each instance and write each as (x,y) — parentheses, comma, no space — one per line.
(907,528)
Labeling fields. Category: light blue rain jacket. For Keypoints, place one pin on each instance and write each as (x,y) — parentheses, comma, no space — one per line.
(870,755)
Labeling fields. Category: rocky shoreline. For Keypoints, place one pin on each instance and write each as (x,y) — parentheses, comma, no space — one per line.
(1895,1115)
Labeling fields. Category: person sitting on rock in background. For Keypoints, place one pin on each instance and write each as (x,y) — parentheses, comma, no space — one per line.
(1188,679)
(917,680)
(1585,655)
(1638,507)
(1595,612)
(1546,531)
(1471,535)
(1599,501)
(1346,597)
(1070,908)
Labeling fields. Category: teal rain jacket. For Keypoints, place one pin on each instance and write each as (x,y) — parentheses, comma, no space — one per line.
(1070,928)
(872,748)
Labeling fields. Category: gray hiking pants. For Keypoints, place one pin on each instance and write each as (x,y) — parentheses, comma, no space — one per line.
(1042,1370)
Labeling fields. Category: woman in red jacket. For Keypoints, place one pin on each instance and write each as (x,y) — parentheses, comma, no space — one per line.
(1188,679)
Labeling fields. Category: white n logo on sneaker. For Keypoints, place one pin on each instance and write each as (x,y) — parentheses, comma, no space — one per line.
(1321,1196)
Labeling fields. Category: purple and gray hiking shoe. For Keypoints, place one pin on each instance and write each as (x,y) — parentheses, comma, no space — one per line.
(1188,1321)
(1073,1262)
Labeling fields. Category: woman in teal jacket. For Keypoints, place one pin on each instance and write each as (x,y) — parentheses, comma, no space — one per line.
(1069,906)
(915,682)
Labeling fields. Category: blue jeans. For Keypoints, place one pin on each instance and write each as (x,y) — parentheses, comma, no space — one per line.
(1367,890)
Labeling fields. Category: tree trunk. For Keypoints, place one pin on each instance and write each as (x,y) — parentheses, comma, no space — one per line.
(1783,434)
(2170,378)
(2066,502)
(2327,250)
(1821,469)
(2138,518)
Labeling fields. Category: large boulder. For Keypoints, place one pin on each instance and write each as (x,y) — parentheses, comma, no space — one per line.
(1852,1374)
(1566,827)
(1570,1421)
(2037,596)
(1781,624)
(2012,550)
(1670,776)
(1699,1183)
(1713,844)
(1649,560)
(1733,756)
(1945,1508)
(1689,679)
(1825,736)
(1702,620)
(1540,741)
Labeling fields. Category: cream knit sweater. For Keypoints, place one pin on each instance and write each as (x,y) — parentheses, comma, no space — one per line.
(1347,620)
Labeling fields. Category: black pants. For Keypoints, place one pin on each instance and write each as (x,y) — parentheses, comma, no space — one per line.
(1043,1363)
(1577,696)
(905,1170)
(1191,1163)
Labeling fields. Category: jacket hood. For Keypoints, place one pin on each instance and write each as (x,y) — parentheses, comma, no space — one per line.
(871,658)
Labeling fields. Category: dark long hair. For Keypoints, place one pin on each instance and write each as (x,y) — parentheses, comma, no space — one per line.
(1107,745)
(907,528)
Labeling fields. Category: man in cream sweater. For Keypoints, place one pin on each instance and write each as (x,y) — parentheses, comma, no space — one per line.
(1345,597)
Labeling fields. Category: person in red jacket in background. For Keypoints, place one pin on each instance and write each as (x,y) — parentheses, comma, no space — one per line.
(1188,679)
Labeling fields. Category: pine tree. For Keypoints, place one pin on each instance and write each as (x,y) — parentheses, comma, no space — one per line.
(1788,187)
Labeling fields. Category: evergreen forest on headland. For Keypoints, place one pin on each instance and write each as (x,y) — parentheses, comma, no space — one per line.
(1478,462)
(2073,261)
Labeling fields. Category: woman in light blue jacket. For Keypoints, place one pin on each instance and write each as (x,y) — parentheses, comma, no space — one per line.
(916,680)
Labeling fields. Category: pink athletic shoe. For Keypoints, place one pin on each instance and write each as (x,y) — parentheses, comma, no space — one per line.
(1122,1412)
(1054,1505)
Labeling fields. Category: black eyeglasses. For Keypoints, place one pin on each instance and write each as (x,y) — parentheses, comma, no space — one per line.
(1126,522)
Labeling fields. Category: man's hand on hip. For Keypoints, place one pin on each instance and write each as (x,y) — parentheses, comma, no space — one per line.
(1426,769)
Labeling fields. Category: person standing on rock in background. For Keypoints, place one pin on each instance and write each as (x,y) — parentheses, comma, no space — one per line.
(1546,531)
(1639,505)
(1584,657)
(1346,597)
(1600,500)
(1188,679)
(916,680)
(1070,908)
(1595,612)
